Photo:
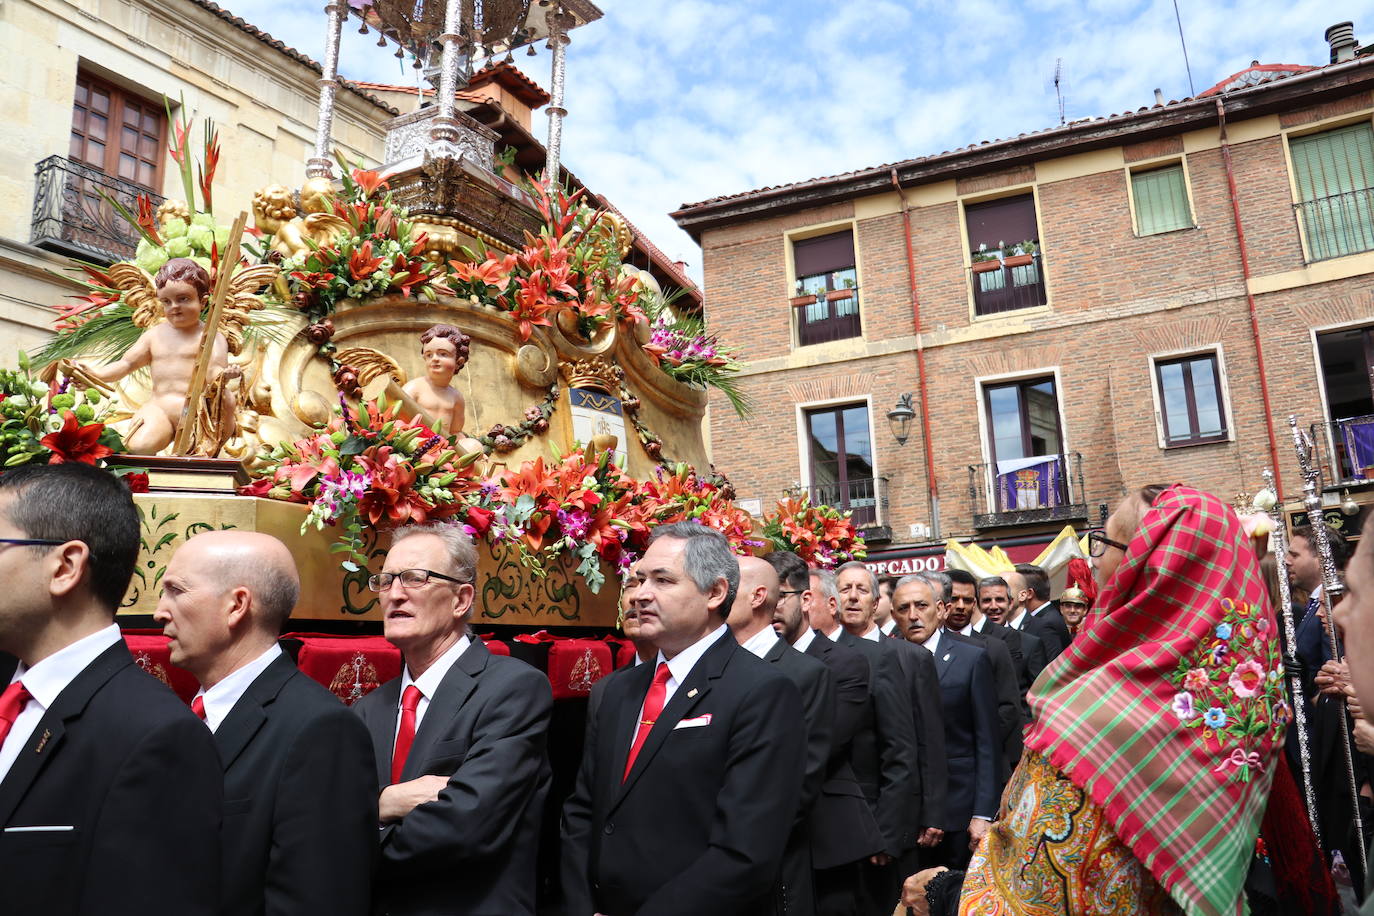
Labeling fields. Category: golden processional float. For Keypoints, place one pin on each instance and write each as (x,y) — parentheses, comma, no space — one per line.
(426,340)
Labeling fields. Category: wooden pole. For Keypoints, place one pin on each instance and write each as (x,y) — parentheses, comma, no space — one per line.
(228,262)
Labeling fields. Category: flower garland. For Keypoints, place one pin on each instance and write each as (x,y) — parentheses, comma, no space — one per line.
(821,535)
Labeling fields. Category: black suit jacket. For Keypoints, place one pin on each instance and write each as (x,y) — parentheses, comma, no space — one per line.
(700,823)
(473,850)
(927,719)
(1027,654)
(300,800)
(842,826)
(1053,619)
(885,749)
(795,893)
(971,738)
(1046,634)
(119,759)
(1009,716)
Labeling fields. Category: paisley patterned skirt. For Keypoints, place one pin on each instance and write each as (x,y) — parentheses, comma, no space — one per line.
(1053,853)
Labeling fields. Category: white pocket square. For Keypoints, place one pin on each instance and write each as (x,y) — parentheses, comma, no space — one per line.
(53,829)
(698,722)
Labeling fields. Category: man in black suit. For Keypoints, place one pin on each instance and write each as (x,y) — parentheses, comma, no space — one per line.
(1018,617)
(1028,651)
(751,623)
(970,716)
(459,741)
(110,790)
(1039,607)
(300,788)
(843,831)
(959,611)
(690,779)
(858,592)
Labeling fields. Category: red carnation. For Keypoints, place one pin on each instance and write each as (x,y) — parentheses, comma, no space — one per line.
(74,442)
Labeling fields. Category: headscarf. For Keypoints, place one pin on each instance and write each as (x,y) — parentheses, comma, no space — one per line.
(1168,709)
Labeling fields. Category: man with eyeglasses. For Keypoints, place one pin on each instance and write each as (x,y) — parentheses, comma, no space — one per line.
(300,789)
(459,740)
(110,789)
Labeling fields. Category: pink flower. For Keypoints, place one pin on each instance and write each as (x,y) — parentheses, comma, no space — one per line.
(1247,679)
(1196,679)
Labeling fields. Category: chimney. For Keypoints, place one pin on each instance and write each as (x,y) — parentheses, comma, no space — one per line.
(1159,97)
(1341,37)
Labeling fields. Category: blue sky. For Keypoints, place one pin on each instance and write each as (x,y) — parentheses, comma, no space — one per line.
(674,101)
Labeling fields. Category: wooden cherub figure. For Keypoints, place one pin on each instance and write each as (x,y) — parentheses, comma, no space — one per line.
(170,349)
(445,350)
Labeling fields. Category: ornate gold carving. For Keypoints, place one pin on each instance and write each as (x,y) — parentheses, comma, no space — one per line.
(594,372)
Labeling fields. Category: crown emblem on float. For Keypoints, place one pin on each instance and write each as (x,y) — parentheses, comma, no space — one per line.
(593,372)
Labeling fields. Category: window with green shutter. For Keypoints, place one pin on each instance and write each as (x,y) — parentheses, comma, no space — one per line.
(1334,172)
(1161,200)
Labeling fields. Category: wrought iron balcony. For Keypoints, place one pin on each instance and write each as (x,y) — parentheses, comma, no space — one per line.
(1338,225)
(866,500)
(70,216)
(1005,288)
(1047,488)
(824,317)
(1345,449)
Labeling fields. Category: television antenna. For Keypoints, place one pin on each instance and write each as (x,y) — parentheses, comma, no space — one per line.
(1059,85)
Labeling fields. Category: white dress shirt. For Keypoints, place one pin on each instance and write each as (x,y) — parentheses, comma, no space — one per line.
(834,635)
(1036,612)
(681,665)
(873,635)
(888,627)
(980,626)
(804,639)
(762,642)
(933,644)
(967,630)
(1017,622)
(45,681)
(220,699)
(429,681)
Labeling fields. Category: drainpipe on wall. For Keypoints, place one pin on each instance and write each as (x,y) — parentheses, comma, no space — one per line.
(933,485)
(1249,298)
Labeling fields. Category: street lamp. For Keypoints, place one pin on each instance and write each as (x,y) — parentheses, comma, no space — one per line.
(900,417)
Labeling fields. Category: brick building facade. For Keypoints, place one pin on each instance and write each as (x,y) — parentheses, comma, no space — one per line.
(1090,311)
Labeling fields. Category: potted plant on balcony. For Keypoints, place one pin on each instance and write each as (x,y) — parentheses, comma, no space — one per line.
(984,260)
(802,297)
(846,292)
(1024,255)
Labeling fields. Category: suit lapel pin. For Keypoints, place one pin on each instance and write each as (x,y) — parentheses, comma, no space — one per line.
(946,658)
(42,742)
(691,693)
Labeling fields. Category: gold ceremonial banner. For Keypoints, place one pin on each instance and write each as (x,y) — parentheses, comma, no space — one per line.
(507,593)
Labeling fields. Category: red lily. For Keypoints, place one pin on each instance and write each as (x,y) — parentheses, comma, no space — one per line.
(361,263)
(207,175)
(147,218)
(76,443)
(369,181)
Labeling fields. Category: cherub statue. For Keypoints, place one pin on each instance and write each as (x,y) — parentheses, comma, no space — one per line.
(274,211)
(170,350)
(445,350)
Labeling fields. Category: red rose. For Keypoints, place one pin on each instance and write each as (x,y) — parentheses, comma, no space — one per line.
(138,483)
(479,520)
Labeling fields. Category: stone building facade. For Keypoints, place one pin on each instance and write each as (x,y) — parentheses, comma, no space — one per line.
(1075,312)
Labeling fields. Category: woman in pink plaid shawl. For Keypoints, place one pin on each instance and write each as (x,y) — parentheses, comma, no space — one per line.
(1154,735)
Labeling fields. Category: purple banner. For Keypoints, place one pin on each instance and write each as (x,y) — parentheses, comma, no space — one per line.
(1358,438)
(1028,483)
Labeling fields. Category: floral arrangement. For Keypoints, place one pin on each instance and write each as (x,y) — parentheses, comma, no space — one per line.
(43,425)
(684,351)
(680,494)
(571,269)
(1228,694)
(370,467)
(380,253)
(821,535)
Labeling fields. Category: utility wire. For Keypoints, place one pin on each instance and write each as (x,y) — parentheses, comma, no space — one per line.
(1184,43)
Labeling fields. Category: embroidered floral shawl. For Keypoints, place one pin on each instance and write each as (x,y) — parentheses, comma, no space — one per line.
(1168,710)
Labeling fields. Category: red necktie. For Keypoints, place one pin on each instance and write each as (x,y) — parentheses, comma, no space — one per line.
(653,705)
(11,705)
(198,707)
(405,736)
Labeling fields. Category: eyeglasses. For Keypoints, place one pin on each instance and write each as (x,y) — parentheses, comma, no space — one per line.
(410,578)
(787,591)
(31,542)
(1098,542)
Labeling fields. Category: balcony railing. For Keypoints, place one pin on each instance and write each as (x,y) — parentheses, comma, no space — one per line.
(69,214)
(1338,225)
(1041,489)
(1345,449)
(827,316)
(865,498)
(1006,289)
